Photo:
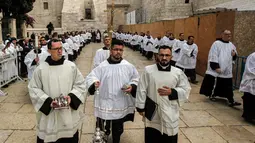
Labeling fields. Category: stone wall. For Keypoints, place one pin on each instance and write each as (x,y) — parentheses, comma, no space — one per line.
(119,17)
(71,16)
(134,4)
(165,10)
(152,10)
(198,4)
(176,9)
(43,17)
(122,7)
(244,31)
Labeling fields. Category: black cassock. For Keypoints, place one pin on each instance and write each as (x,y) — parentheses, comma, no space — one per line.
(223,87)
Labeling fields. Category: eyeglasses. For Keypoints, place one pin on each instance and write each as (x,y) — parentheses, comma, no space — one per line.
(121,50)
(164,55)
(57,49)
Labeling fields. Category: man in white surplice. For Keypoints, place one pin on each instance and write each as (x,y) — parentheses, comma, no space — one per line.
(176,50)
(161,122)
(248,87)
(218,76)
(103,53)
(34,58)
(52,78)
(115,81)
(188,59)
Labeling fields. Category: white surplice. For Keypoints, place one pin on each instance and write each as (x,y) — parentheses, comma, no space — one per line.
(188,56)
(248,80)
(134,40)
(52,81)
(164,41)
(220,53)
(176,50)
(44,48)
(166,118)
(29,58)
(68,48)
(112,103)
(100,56)
(148,44)
(157,44)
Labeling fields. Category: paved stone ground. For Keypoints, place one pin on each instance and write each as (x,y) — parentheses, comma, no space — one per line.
(202,121)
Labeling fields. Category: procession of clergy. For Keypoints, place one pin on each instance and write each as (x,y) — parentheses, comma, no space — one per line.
(25,52)
(119,90)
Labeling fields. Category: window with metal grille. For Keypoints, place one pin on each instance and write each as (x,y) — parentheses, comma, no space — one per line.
(45,5)
(88,13)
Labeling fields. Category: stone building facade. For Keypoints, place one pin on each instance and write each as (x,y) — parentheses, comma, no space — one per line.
(165,10)
(72,14)
(69,15)
(157,10)
(122,7)
(199,4)
(46,11)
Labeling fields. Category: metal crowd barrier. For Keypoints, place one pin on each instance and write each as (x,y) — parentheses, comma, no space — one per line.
(5,78)
(238,71)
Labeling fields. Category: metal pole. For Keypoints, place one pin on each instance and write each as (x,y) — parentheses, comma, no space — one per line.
(111,22)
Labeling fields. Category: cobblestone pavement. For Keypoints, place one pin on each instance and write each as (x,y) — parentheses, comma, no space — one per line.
(202,121)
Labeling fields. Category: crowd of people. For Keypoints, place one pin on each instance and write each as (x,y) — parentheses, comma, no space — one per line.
(184,53)
(184,56)
(20,57)
(119,90)
(155,97)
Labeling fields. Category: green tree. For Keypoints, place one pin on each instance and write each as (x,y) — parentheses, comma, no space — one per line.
(16,8)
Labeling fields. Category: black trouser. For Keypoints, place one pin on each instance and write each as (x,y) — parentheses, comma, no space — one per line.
(74,139)
(81,46)
(117,128)
(23,68)
(49,32)
(191,73)
(144,52)
(136,47)
(74,55)
(248,106)
(141,50)
(149,55)
(70,57)
(224,88)
(154,136)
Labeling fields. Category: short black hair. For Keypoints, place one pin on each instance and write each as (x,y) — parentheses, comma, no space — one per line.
(47,37)
(52,41)
(181,34)
(42,38)
(191,37)
(55,34)
(165,47)
(13,38)
(117,42)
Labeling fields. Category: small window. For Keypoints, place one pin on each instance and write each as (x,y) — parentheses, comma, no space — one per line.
(88,13)
(186,1)
(45,5)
